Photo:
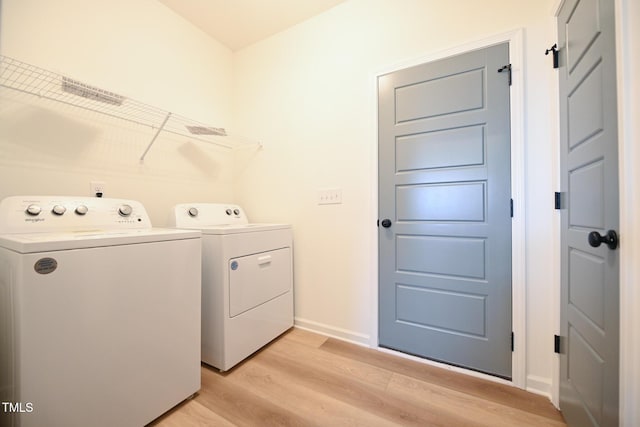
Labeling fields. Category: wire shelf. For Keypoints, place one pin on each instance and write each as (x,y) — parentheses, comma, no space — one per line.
(30,79)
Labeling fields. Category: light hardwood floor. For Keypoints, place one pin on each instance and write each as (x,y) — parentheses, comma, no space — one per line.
(305,379)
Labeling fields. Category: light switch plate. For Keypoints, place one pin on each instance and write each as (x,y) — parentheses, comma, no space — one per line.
(331,196)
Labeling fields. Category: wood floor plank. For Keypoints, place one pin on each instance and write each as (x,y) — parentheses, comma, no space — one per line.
(303,336)
(191,414)
(306,379)
(241,406)
(372,376)
(484,413)
(317,407)
(344,388)
(488,390)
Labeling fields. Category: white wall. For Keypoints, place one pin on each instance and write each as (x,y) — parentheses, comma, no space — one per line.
(139,49)
(309,93)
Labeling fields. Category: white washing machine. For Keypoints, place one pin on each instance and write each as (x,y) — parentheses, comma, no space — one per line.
(99,313)
(247,280)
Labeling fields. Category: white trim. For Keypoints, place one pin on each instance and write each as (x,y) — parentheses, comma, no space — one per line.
(518,225)
(373,237)
(556,267)
(332,331)
(627,15)
(539,385)
(555,8)
(515,39)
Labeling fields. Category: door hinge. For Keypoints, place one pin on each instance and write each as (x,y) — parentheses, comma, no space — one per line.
(506,68)
(557,202)
(554,50)
(556,344)
(513,345)
(511,207)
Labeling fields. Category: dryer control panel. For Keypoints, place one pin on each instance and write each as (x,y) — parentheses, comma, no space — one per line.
(31,214)
(207,214)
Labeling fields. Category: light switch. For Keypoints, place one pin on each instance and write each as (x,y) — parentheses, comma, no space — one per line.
(332,196)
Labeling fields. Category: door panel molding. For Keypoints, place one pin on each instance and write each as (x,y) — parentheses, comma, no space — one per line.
(516,58)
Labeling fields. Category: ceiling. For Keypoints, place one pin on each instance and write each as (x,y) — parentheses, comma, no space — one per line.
(239,23)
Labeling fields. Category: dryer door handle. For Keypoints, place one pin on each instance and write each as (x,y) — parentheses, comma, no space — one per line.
(266,259)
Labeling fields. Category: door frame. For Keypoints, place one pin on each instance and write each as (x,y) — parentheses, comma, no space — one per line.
(515,40)
(627,15)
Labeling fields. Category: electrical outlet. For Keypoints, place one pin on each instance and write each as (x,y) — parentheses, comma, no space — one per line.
(331,196)
(97,188)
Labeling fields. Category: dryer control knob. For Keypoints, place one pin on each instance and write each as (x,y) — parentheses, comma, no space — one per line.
(236,211)
(33,210)
(193,212)
(125,210)
(82,210)
(58,210)
(228,211)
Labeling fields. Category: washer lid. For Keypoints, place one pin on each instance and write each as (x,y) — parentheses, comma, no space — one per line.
(242,228)
(44,242)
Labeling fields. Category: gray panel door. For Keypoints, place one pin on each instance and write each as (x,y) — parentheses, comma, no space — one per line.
(444,202)
(589,173)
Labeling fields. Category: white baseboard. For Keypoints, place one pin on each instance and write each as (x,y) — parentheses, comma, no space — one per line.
(539,385)
(332,331)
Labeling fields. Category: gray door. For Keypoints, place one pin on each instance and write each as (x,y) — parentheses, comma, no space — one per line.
(444,206)
(589,173)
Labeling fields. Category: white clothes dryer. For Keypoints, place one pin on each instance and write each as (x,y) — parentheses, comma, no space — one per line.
(247,280)
(99,313)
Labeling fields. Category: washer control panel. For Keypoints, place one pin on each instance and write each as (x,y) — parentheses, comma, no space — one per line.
(207,214)
(27,214)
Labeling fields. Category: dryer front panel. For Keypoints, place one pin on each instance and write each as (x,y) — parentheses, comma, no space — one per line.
(258,278)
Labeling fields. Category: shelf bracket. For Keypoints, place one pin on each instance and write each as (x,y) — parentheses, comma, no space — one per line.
(155,137)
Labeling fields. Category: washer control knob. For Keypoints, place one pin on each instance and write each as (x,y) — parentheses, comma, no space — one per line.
(125,210)
(82,210)
(236,211)
(193,212)
(228,211)
(58,210)
(33,210)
